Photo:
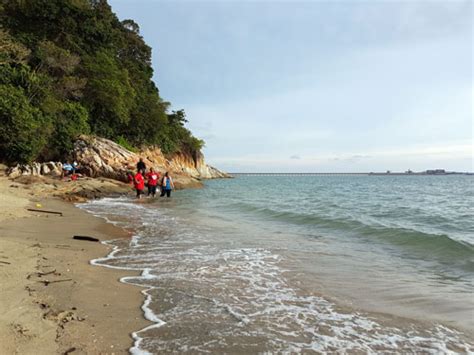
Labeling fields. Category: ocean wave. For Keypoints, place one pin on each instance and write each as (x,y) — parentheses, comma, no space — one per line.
(430,245)
(240,295)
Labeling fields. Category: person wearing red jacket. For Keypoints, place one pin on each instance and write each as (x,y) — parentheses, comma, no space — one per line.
(139,183)
(152,180)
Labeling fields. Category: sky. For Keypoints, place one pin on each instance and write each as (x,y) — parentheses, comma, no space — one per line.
(317,86)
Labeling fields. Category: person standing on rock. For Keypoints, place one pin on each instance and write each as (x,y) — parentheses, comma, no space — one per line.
(141,165)
(139,183)
(166,185)
(152,180)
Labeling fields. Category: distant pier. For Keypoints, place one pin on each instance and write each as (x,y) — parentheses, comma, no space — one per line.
(352,174)
(298,174)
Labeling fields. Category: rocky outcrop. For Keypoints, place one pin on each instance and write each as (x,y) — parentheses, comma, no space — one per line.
(35,169)
(180,163)
(100,157)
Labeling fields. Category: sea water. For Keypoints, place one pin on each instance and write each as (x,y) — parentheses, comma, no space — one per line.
(303,264)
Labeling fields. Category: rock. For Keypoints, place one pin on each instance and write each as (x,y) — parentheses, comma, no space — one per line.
(45,170)
(26,170)
(56,169)
(101,157)
(14,172)
(36,169)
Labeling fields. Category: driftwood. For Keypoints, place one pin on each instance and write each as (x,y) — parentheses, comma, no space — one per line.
(5,262)
(41,274)
(45,273)
(47,282)
(85,237)
(45,211)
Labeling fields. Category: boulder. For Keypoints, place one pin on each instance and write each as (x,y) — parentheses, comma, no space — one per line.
(14,172)
(35,169)
(45,170)
(26,170)
(56,170)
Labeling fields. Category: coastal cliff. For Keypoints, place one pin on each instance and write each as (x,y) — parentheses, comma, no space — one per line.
(100,157)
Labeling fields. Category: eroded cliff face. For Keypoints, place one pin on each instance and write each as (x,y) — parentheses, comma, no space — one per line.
(100,157)
(187,164)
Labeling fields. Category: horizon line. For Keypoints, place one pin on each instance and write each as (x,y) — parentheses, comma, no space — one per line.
(354,173)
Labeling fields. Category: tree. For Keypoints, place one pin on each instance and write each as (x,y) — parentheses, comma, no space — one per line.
(70,122)
(12,51)
(23,128)
(109,94)
(77,68)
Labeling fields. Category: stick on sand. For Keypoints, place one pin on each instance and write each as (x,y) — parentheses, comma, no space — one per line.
(85,237)
(44,211)
(47,282)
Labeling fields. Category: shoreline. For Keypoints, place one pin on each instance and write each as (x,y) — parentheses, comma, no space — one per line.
(53,299)
(423,328)
(147,313)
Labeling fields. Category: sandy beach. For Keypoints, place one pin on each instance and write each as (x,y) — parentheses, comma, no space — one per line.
(52,301)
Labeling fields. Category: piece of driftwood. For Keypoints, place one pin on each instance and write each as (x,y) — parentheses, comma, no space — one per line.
(5,262)
(47,282)
(85,237)
(46,273)
(45,211)
(41,274)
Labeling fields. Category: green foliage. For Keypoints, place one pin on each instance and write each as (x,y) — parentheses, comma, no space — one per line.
(70,122)
(11,51)
(192,144)
(23,129)
(56,60)
(126,144)
(109,94)
(147,120)
(76,68)
(167,142)
(179,138)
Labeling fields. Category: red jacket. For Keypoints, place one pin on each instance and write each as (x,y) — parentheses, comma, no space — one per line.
(138,181)
(153,178)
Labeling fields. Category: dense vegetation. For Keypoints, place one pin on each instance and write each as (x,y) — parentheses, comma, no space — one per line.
(69,67)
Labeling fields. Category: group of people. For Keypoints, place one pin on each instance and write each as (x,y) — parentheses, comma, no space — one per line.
(152,179)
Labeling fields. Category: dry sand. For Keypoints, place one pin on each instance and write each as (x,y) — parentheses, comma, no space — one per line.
(52,301)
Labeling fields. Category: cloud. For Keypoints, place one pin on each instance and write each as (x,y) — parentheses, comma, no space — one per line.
(359,157)
(453,157)
(385,85)
(352,158)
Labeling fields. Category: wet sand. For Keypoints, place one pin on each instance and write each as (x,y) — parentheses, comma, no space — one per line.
(52,301)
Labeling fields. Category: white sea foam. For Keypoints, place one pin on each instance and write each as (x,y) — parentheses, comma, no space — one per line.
(145,275)
(248,285)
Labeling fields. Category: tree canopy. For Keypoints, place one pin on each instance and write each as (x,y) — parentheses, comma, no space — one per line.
(71,67)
